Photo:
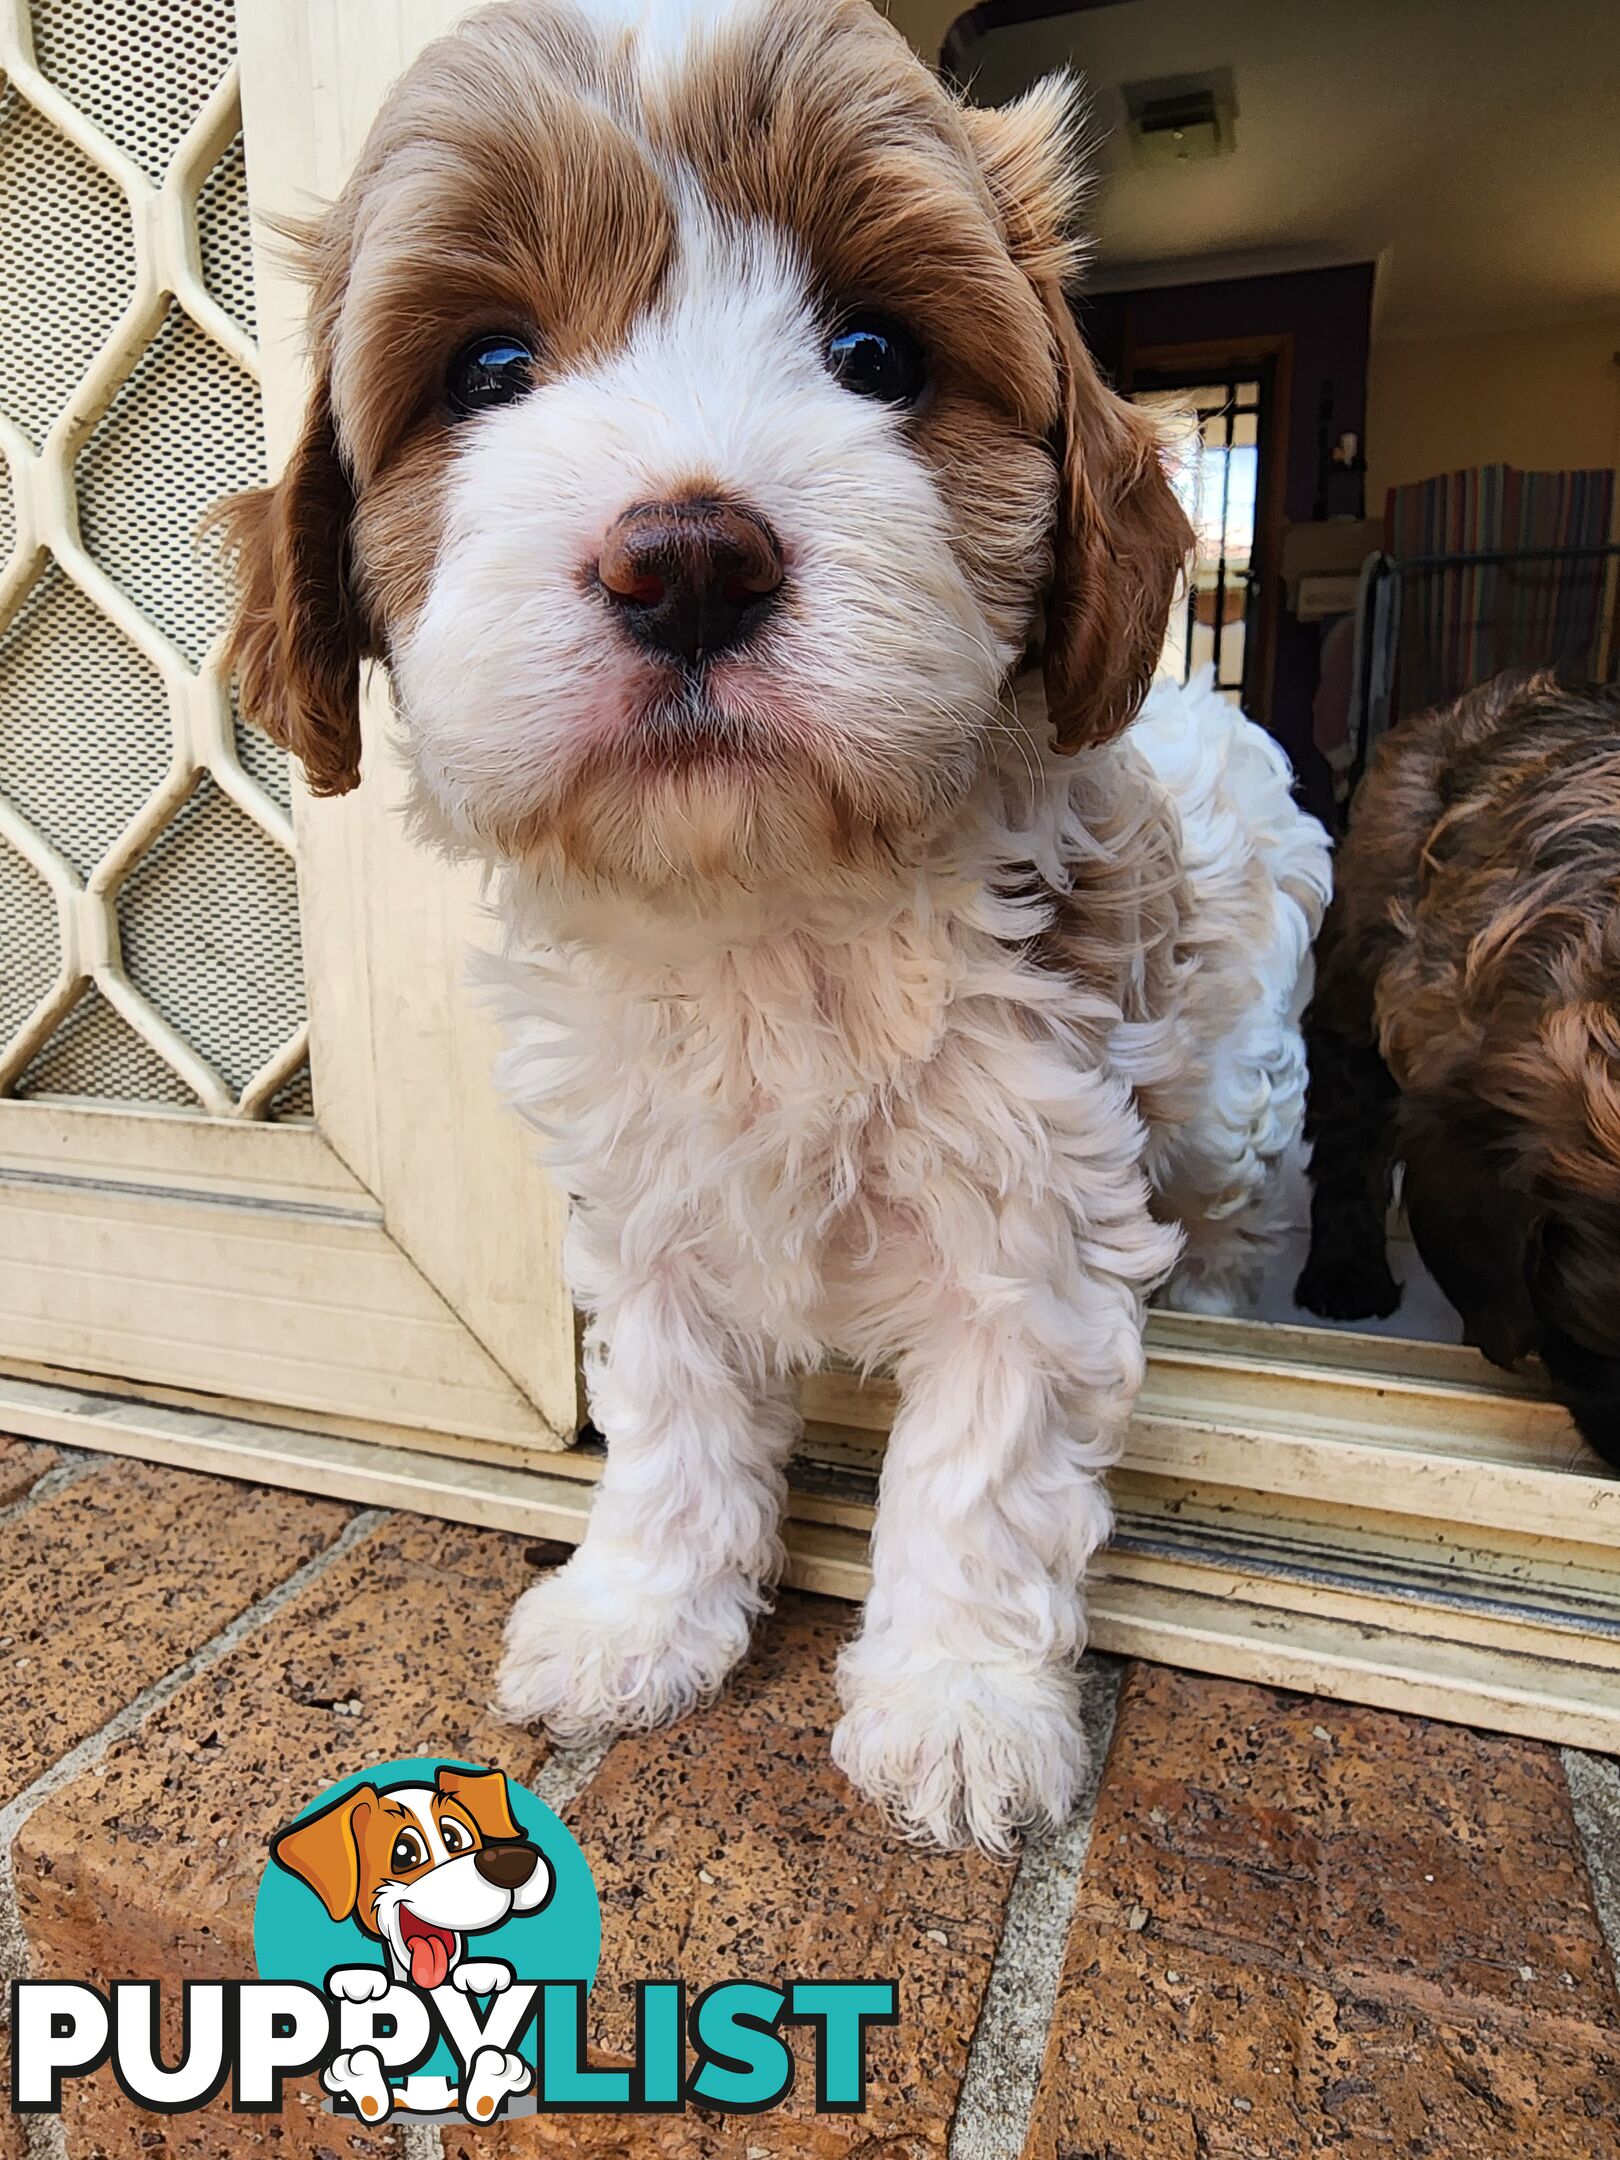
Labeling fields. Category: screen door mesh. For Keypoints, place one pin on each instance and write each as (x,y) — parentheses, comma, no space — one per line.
(148,907)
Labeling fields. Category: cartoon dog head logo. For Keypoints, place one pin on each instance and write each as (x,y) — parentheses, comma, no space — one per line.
(406,1897)
(421,1868)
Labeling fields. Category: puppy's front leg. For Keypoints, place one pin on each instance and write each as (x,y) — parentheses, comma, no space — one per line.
(655,1607)
(1351,1114)
(961,1693)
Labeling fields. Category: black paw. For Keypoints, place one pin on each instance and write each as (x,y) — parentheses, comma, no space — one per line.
(1606,1445)
(1598,1420)
(1341,1289)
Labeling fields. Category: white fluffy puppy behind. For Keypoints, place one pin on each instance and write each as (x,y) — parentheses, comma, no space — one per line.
(1260,873)
(701,434)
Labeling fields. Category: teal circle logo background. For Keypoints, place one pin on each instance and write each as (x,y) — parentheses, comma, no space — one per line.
(294,1937)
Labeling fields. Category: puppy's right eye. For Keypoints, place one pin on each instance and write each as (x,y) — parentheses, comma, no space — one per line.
(493,370)
(408,1852)
(876,358)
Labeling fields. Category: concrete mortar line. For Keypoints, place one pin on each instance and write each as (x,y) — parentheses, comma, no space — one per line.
(44,2132)
(89,1751)
(68,1472)
(1594,1791)
(1009,2045)
(566,1772)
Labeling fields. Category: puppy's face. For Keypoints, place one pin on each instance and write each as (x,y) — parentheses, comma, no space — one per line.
(702,436)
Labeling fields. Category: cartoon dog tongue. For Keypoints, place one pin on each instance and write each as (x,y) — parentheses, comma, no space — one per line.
(430,1957)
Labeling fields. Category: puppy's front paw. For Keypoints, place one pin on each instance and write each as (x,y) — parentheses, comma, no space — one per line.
(957,1753)
(585,1658)
(1343,1287)
(359,1983)
(482,1976)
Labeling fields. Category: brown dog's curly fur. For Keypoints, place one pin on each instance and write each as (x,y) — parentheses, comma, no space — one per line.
(1467,1023)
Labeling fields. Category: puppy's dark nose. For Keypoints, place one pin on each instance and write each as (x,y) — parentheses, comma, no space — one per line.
(507,1866)
(690,579)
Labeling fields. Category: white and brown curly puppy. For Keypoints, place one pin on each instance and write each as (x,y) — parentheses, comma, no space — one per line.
(701,435)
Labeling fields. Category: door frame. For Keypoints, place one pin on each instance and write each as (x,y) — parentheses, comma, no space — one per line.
(400,1049)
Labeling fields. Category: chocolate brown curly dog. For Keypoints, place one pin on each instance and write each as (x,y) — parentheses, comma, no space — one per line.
(1466,1023)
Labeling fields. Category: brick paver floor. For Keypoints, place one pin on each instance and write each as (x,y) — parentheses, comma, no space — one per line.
(1280,1926)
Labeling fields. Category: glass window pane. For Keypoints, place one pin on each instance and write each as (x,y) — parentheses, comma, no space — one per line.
(1232,641)
(1213,451)
(1242,468)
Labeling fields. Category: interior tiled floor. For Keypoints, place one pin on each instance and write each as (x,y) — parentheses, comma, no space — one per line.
(1280,1926)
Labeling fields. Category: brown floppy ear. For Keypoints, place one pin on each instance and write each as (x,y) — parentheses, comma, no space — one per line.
(483,1794)
(1121,538)
(298,636)
(324,1851)
(1121,543)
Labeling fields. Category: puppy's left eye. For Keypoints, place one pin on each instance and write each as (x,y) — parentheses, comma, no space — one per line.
(493,370)
(408,1852)
(876,358)
(455,1838)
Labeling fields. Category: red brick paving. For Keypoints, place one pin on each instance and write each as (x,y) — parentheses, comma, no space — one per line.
(1302,1928)
(1305,1927)
(112,1581)
(731,1848)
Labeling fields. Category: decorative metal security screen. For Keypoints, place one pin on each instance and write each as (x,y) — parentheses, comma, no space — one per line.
(149,942)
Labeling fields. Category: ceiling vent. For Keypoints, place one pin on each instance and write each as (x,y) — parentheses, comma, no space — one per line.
(1173,122)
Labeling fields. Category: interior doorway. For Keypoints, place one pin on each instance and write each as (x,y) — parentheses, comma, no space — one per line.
(1220,424)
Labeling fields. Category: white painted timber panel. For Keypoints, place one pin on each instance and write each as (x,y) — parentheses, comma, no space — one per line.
(303,1303)
(399,1051)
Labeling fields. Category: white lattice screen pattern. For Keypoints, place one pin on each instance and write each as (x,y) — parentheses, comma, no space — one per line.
(148,906)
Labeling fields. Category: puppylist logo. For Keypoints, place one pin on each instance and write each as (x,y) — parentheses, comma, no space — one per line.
(427,1934)
(429,1901)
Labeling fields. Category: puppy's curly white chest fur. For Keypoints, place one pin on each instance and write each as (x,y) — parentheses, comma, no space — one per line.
(793,1119)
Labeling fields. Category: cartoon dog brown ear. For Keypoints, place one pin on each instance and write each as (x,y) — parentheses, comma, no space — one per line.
(298,634)
(483,1794)
(1121,538)
(324,1850)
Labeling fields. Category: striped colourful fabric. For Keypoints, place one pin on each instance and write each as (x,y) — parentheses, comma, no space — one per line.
(1462,623)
